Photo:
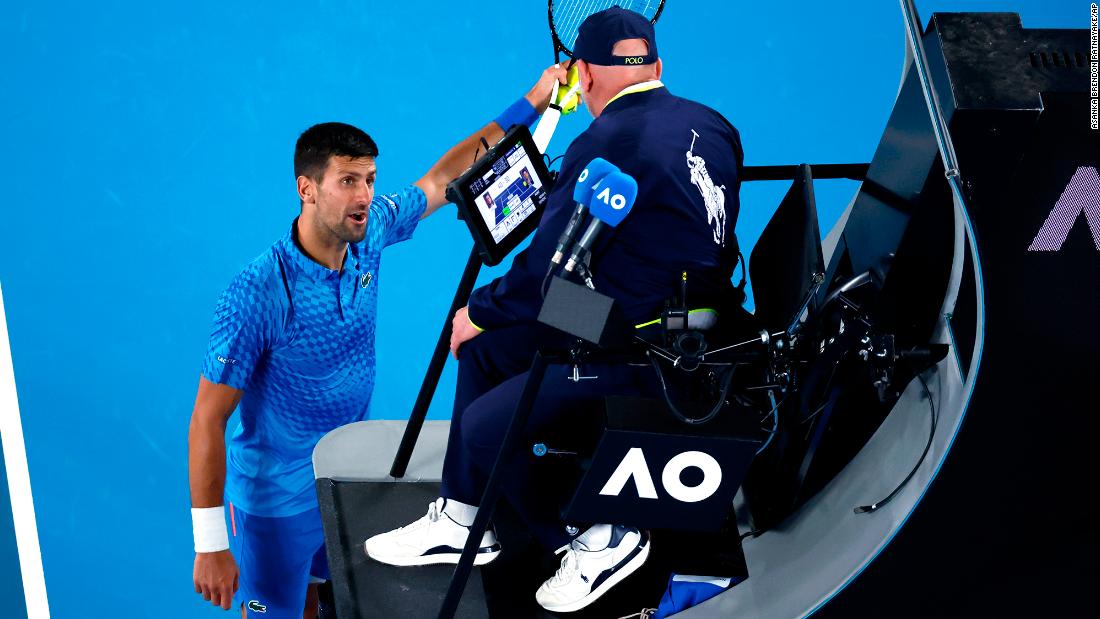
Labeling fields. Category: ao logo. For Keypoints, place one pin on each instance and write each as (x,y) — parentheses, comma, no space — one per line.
(634,465)
(616,201)
(584,176)
(1081,195)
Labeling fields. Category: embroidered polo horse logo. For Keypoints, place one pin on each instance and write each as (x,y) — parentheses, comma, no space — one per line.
(714,197)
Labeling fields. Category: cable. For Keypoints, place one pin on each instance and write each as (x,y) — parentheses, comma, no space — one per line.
(775,426)
(581,270)
(866,509)
(653,348)
(546,280)
(694,421)
(549,161)
(814,414)
(477,151)
(585,275)
(825,391)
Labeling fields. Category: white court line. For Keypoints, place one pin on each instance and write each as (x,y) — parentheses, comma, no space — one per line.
(19,483)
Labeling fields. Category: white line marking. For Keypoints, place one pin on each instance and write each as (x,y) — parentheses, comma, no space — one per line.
(19,482)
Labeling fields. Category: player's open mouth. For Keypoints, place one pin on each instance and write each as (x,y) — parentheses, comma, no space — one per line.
(359,218)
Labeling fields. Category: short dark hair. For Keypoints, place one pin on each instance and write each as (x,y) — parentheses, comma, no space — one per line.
(325,140)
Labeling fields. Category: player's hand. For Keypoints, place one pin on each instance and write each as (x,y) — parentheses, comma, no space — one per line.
(539,95)
(216,577)
(462,330)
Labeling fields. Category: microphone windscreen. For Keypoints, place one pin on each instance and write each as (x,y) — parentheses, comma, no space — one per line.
(613,198)
(589,176)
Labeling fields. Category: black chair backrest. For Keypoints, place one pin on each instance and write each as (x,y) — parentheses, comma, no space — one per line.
(787,256)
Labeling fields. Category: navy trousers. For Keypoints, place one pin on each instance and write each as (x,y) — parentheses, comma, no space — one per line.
(492,370)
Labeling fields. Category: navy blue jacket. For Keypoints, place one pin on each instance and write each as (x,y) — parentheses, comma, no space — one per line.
(687,160)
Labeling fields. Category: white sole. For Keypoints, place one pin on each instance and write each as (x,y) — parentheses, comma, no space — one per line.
(440,559)
(615,579)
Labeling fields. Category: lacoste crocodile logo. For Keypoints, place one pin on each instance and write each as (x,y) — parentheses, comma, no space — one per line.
(256,607)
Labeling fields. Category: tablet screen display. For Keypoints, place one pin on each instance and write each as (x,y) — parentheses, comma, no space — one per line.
(502,196)
(507,193)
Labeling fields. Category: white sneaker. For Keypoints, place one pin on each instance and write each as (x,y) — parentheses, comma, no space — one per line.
(436,538)
(594,562)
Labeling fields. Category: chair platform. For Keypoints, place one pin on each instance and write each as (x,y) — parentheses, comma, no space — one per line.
(356,504)
(365,588)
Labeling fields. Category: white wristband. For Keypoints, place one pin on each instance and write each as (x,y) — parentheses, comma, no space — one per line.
(208,524)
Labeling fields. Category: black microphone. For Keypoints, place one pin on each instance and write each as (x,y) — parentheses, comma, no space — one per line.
(609,204)
(589,177)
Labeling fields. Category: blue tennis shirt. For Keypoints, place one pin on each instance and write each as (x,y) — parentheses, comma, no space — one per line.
(298,338)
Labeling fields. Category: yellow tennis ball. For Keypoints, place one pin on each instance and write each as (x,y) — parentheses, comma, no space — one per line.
(572,76)
(568,106)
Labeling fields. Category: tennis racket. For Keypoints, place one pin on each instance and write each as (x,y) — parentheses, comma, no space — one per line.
(565,17)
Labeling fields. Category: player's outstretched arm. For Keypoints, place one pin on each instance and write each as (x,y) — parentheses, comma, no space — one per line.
(216,574)
(458,158)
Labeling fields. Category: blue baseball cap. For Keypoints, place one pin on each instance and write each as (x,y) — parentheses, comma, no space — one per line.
(600,32)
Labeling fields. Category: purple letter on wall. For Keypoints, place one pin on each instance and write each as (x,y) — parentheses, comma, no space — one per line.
(1082,194)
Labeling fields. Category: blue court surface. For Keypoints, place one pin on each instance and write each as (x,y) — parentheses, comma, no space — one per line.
(147,152)
(11,585)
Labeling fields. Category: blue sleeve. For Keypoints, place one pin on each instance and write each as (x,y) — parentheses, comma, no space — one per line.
(247,319)
(398,213)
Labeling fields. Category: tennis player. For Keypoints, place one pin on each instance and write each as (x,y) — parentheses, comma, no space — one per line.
(293,345)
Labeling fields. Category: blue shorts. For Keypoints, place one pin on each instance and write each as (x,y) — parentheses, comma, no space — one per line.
(278,558)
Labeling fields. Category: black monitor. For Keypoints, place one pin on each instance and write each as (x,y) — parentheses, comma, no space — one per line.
(503,195)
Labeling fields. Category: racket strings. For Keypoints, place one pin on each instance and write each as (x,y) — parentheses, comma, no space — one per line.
(568,15)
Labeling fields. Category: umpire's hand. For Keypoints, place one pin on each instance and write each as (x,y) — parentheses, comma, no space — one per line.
(216,577)
(539,95)
(462,330)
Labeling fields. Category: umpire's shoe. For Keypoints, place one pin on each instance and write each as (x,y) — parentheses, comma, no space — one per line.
(595,561)
(435,538)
